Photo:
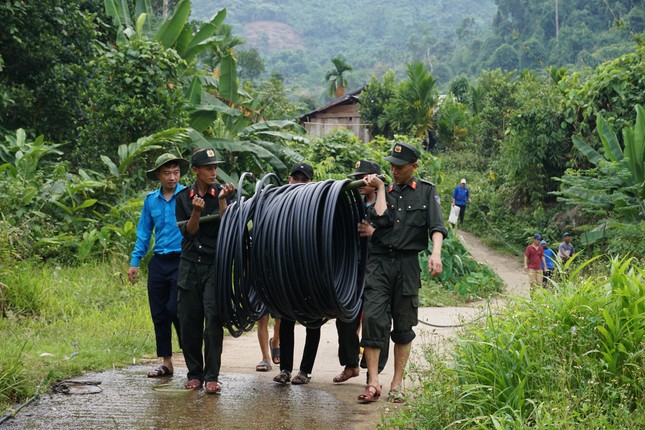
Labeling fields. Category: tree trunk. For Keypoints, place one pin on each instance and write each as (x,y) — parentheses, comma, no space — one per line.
(557,25)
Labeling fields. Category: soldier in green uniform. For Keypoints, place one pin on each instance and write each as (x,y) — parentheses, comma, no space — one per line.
(200,327)
(405,215)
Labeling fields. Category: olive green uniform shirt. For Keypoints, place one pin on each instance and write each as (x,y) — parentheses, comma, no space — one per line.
(413,214)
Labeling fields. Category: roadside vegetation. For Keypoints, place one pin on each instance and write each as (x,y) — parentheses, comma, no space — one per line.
(569,357)
(64,320)
(84,111)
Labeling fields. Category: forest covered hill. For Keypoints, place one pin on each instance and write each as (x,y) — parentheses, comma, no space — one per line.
(297,39)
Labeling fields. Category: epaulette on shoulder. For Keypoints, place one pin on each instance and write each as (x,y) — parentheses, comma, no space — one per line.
(427,182)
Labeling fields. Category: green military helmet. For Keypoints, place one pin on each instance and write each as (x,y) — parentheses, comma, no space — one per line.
(165,159)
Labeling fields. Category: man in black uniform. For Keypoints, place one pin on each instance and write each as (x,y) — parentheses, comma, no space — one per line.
(404,216)
(196,298)
(348,332)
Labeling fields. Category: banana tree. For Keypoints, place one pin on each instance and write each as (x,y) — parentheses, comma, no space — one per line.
(222,116)
(633,156)
(615,189)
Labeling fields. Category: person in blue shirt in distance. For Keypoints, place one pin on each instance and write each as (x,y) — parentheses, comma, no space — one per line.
(549,257)
(461,197)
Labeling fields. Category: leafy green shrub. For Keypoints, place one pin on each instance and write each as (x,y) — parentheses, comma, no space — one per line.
(568,358)
(461,274)
(134,91)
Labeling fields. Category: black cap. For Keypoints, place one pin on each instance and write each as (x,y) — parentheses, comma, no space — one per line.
(303,168)
(204,157)
(402,154)
(366,167)
(537,236)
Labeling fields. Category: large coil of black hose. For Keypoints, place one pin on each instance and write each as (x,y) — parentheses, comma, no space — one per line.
(303,258)
(308,261)
(239,304)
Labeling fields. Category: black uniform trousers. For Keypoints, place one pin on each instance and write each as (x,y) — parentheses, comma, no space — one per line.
(162,297)
(287,341)
(198,321)
(349,349)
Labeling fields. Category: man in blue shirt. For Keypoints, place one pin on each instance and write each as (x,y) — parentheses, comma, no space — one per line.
(549,259)
(158,216)
(461,197)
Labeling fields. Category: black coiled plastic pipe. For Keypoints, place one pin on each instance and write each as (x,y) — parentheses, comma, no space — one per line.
(305,262)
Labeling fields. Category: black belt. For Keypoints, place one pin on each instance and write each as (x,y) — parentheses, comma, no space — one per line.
(394,253)
(169,255)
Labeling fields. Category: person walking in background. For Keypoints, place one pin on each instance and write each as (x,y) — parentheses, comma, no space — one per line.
(158,218)
(549,259)
(301,173)
(566,250)
(461,197)
(534,261)
(202,332)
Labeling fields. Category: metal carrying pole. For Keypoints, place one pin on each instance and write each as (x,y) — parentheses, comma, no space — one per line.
(353,185)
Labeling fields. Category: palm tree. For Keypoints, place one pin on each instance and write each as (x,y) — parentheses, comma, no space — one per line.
(412,109)
(336,77)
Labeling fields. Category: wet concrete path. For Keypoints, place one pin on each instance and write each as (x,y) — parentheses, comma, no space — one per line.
(249,400)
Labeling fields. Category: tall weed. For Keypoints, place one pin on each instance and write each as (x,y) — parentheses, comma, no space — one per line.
(568,357)
(64,321)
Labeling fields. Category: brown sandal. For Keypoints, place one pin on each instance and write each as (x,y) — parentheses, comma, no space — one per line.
(300,379)
(349,372)
(283,377)
(368,395)
(160,372)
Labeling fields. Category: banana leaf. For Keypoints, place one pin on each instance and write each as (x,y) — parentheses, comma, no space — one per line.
(171,28)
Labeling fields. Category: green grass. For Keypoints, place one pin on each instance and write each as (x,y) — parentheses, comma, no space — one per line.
(62,322)
(567,358)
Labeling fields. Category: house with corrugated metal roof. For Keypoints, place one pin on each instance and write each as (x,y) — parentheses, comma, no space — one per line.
(339,113)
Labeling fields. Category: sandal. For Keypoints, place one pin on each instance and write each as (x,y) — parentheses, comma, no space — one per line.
(213,387)
(193,384)
(349,372)
(396,396)
(275,353)
(160,372)
(368,395)
(263,366)
(283,377)
(300,379)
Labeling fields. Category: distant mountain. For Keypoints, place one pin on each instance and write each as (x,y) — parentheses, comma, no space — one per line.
(298,38)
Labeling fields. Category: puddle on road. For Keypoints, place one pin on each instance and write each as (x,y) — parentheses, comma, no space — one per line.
(129,400)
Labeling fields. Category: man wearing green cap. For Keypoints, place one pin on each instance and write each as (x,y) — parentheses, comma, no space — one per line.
(202,331)
(158,217)
(405,215)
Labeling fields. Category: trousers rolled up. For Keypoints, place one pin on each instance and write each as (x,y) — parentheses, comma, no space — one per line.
(349,345)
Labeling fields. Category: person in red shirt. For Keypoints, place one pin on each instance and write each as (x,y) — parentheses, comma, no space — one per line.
(533,261)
